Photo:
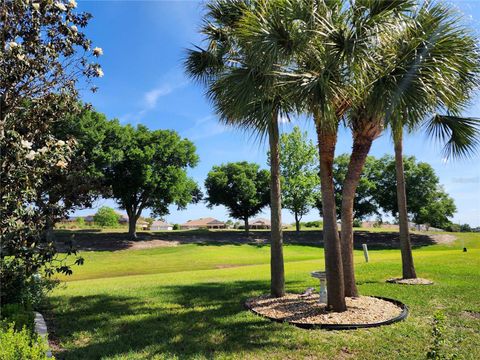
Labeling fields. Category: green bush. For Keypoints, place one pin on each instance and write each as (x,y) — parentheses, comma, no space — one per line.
(20,344)
(106,216)
(357,223)
(176,227)
(80,221)
(453,228)
(20,288)
(20,315)
(313,224)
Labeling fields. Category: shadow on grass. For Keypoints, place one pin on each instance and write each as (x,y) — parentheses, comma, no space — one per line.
(185,321)
(112,241)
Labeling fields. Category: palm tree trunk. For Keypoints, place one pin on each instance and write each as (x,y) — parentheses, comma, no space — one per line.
(333,258)
(361,147)
(408,268)
(277,285)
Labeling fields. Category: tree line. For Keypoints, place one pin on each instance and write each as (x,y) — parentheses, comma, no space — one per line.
(244,189)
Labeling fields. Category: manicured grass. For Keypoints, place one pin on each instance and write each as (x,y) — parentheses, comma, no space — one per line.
(186,302)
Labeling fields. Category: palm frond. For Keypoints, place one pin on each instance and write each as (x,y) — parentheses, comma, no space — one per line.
(461,136)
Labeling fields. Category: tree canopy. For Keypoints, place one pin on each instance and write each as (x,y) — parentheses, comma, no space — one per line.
(299,173)
(150,171)
(428,203)
(242,187)
(106,216)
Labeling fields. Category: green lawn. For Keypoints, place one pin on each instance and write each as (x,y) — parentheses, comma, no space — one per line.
(185,302)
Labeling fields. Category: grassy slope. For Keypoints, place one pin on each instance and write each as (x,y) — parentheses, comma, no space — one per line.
(184,307)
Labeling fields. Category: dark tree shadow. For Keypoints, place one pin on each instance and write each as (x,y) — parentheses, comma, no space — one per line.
(112,241)
(188,321)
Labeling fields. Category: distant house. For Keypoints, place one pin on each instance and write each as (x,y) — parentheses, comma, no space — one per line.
(159,225)
(122,218)
(260,224)
(203,223)
(89,219)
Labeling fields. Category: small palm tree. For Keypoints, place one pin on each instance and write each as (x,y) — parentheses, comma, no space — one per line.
(244,94)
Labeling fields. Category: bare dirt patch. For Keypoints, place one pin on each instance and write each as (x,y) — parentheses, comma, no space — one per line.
(137,245)
(298,309)
(443,238)
(416,281)
(472,314)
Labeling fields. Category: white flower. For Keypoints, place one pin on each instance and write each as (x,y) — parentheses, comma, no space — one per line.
(21,57)
(99,72)
(74,28)
(26,144)
(72,4)
(60,143)
(61,164)
(43,150)
(98,51)
(31,155)
(12,44)
(36,6)
(61,6)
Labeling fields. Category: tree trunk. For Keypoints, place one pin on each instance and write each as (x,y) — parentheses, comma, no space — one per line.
(408,268)
(132,226)
(297,222)
(362,141)
(247,227)
(277,286)
(333,258)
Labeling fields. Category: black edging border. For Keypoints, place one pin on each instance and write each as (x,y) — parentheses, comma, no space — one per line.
(403,315)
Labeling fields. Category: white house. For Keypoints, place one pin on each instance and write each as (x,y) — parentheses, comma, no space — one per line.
(158,225)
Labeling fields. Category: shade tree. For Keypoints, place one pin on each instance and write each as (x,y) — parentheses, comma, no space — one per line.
(150,171)
(242,187)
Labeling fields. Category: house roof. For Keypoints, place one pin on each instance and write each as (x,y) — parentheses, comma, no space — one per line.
(160,223)
(260,221)
(203,222)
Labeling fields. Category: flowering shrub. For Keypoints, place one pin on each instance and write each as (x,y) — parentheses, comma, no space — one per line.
(44,55)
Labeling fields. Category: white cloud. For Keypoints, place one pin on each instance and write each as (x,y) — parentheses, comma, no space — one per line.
(171,81)
(205,127)
(151,97)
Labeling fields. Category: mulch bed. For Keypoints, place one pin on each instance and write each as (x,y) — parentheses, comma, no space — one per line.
(307,310)
(416,281)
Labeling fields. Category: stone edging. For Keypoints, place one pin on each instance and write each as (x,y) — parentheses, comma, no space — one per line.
(403,315)
(41,329)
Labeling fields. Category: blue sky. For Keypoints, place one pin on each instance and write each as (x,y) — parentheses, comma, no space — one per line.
(144,43)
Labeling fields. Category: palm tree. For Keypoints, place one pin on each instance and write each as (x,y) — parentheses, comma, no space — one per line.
(243,93)
(432,62)
(461,136)
(322,44)
(287,35)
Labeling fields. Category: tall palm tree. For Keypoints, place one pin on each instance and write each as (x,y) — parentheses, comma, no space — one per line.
(244,94)
(323,42)
(289,34)
(461,137)
(432,62)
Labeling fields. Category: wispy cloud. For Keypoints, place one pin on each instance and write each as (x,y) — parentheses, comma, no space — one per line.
(467,180)
(172,81)
(151,97)
(205,127)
